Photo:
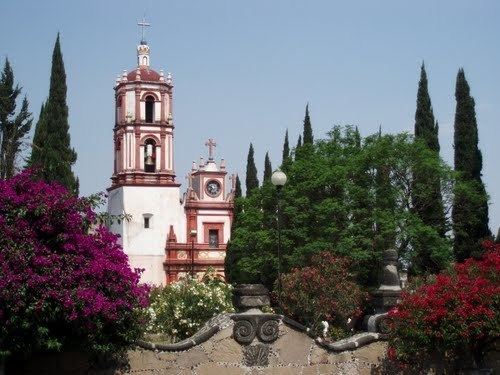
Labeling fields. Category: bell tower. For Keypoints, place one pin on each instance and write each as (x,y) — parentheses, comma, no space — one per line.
(143,184)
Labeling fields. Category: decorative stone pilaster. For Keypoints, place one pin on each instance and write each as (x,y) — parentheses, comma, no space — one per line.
(251,325)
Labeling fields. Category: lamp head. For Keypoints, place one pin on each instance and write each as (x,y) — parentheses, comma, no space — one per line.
(278,178)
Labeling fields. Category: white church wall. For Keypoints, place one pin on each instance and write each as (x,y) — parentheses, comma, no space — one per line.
(152,265)
(115,202)
(164,206)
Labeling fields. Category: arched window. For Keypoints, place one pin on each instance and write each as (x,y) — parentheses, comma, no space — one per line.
(150,109)
(150,156)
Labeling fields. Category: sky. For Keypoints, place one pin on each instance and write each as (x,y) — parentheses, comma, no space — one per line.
(245,70)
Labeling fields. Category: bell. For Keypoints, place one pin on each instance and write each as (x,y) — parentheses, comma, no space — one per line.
(149,160)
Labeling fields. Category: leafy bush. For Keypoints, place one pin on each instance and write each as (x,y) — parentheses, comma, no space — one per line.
(181,308)
(324,291)
(456,314)
(61,283)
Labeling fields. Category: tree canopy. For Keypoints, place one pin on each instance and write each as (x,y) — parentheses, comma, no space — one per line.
(349,196)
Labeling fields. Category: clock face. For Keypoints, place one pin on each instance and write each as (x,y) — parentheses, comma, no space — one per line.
(213,188)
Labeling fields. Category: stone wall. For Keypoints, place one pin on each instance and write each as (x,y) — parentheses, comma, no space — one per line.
(293,352)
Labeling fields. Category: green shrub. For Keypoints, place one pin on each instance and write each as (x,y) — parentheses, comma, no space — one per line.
(181,308)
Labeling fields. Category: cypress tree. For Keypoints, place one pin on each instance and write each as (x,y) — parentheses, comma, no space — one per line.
(13,128)
(252,181)
(470,205)
(286,149)
(237,189)
(425,126)
(299,143)
(308,133)
(357,137)
(39,136)
(268,169)
(426,188)
(51,151)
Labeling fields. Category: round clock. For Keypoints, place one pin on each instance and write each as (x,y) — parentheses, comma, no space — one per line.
(213,188)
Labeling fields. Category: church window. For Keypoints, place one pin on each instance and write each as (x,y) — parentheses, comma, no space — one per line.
(150,109)
(213,238)
(150,156)
(147,221)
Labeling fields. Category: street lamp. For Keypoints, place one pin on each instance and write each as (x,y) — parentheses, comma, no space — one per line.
(193,234)
(278,179)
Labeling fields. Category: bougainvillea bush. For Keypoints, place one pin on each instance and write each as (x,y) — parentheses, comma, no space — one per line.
(64,282)
(324,291)
(180,309)
(456,314)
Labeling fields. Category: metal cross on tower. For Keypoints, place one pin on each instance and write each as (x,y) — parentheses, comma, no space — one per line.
(143,24)
(210,144)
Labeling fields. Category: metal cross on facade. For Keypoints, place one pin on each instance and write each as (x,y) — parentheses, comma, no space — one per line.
(210,144)
(143,24)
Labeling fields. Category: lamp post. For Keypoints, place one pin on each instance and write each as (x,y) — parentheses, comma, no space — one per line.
(278,179)
(193,234)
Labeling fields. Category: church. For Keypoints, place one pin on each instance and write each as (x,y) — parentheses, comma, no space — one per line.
(167,233)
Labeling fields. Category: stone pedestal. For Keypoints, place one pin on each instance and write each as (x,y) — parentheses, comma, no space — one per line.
(250,297)
(387,294)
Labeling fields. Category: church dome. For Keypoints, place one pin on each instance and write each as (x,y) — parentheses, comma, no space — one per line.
(147,74)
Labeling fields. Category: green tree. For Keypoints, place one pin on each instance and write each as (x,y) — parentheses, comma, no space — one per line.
(427,198)
(307,133)
(286,149)
(349,196)
(299,143)
(237,189)
(470,206)
(252,182)
(268,169)
(51,151)
(13,128)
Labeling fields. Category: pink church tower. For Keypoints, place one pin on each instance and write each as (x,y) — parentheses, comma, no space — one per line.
(144,187)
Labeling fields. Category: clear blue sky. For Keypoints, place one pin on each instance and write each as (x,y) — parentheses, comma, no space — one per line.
(244,70)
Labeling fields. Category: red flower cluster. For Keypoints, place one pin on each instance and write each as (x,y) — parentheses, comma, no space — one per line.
(60,281)
(458,311)
(324,291)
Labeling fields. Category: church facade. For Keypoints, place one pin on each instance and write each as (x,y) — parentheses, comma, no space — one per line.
(168,233)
